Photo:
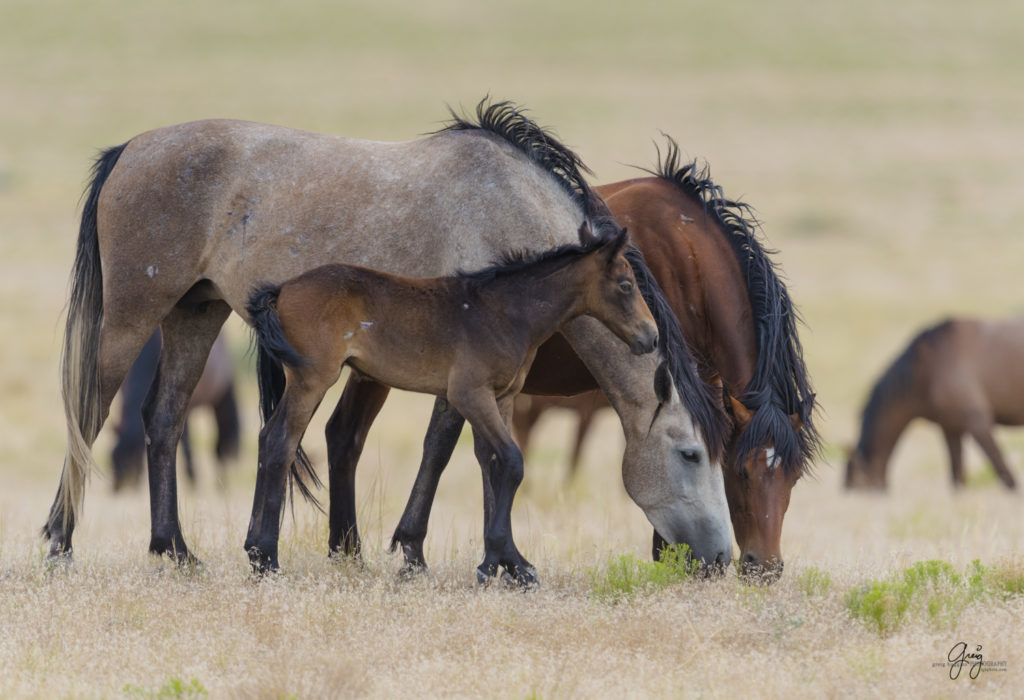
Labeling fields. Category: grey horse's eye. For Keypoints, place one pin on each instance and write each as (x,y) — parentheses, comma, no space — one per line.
(691,456)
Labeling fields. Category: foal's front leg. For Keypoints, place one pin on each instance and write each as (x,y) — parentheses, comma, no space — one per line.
(502,466)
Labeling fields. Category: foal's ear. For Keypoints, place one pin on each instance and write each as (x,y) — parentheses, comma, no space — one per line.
(663,383)
(586,233)
(614,244)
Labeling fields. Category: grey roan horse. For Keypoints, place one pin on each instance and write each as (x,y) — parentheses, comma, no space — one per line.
(180,223)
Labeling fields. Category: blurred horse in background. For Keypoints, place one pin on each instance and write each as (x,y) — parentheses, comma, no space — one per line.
(215,390)
(736,315)
(966,375)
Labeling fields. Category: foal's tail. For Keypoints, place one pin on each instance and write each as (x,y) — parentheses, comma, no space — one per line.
(273,351)
(79,364)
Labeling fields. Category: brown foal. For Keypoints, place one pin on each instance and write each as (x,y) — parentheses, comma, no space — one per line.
(470,338)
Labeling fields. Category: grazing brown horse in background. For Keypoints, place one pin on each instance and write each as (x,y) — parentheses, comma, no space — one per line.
(734,310)
(215,389)
(180,222)
(966,375)
(469,339)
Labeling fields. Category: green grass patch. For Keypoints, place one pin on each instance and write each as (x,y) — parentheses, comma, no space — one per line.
(933,590)
(627,575)
(172,688)
(814,582)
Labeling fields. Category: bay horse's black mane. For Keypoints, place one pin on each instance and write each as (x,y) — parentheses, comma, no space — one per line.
(780,385)
(505,120)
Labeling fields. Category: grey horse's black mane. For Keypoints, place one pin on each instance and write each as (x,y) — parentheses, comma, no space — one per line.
(780,385)
(509,123)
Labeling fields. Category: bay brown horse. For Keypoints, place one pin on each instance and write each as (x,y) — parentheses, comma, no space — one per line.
(965,375)
(469,339)
(180,222)
(215,389)
(723,289)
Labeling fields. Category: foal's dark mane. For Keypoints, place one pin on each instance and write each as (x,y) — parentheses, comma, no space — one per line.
(515,261)
(780,385)
(505,120)
(895,383)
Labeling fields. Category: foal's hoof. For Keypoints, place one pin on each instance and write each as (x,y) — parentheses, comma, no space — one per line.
(525,578)
(262,564)
(190,565)
(520,577)
(411,571)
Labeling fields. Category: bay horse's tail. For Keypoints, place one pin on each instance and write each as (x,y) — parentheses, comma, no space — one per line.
(273,351)
(79,364)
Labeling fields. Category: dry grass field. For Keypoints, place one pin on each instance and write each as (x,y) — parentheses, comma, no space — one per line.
(883,147)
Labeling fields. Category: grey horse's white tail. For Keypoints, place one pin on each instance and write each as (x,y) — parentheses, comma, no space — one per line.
(79,365)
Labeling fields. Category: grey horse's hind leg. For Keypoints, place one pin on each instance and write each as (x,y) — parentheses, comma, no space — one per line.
(119,345)
(188,335)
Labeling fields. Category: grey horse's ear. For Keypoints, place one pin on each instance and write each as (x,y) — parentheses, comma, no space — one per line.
(663,383)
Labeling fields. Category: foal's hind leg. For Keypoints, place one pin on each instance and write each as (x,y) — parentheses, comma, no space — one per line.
(988,444)
(279,441)
(346,431)
(188,335)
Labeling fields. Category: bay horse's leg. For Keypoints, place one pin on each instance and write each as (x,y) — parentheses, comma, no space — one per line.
(438,444)
(954,443)
(279,441)
(188,335)
(346,431)
(988,444)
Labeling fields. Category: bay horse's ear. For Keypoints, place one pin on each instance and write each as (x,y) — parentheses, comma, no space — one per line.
(586,233)
(663,383)
(796,421)
(742,414)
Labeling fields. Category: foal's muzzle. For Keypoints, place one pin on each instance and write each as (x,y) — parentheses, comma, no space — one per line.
(645,341)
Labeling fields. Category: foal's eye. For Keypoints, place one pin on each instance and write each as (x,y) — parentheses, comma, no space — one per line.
(626,286)
(690,455)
